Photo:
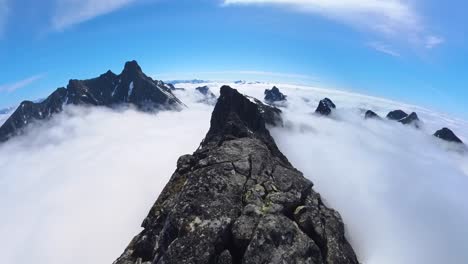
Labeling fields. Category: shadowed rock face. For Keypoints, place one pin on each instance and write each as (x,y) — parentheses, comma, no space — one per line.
(209,97)
(274,95)
(325,107)
(132,86)
(412,119)
(447,135)
(237,199)
(205,90)
(396,115)
(371,114)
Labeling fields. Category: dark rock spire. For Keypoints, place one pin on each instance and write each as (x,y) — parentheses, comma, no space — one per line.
(447,135)
(325,107)
(396,115)
(274,95)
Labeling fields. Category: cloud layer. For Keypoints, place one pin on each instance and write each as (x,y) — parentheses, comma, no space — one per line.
(76,189)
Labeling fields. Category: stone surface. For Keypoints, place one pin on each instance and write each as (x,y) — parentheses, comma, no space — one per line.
(208,96)
(274,95)
(396,115)
(412,119)
(325,107)
(132,86)
(447,135)
(371,114)
(237,199)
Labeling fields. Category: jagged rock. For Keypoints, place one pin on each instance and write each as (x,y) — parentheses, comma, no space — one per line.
(208,96)
(270,114)
(396,115)
(447,135)
(325,107)
(274,95)
(237,199)
(412,119)
(371,114)
(205,90)
(132,86)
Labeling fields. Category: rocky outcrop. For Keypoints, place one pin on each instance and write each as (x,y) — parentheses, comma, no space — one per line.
(237,199)
(132,86)
(447,135)
(412,119)
(325,107)
(371,115)
(274,95)
(208,96)
(396,115)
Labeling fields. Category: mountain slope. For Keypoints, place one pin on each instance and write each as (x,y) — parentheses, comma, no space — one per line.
(132,86)
(237,199)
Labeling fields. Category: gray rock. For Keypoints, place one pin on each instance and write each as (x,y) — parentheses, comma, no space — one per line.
(325,107)
(447,135)
(396,115)
(237,199)
(411,119)
(371,115)
(274,95)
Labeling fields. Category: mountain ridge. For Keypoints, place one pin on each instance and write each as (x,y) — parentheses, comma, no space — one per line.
(131,86)
(237,199)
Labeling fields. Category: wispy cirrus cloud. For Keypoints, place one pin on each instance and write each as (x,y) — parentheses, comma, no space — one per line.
(11,87)
(71,12)
(390,19)
(434,41)
(383,48)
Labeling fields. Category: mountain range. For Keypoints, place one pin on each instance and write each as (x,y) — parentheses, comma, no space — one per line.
(130,87)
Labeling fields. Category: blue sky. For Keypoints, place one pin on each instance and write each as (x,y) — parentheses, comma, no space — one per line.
(414,51)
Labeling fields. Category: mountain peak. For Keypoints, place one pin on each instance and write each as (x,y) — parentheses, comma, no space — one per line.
(132,67)
(109,89)
(447,135)
(238,200)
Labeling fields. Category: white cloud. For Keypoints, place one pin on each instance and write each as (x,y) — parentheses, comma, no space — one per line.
(384,48)
(76,189)
(433,41)
(395,19)
(4,10)
(11,87)
(72,12)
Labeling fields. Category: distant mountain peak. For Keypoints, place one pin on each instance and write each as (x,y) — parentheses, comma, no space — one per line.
(132,86)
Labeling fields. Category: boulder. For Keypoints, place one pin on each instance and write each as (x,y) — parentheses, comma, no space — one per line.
(447,135)
(325,107)
(396,115)
(371,114)
(274,95)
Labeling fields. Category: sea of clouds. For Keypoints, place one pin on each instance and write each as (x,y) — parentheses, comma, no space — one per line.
(75,189)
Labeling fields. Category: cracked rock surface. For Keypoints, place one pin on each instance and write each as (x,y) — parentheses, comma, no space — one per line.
(237,199)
